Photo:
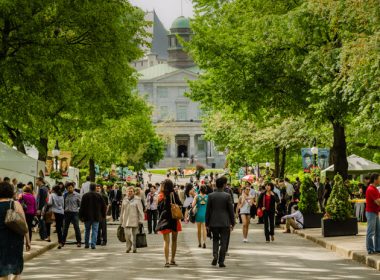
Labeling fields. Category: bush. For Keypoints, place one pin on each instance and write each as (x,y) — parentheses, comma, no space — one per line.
(338,206)
(309,201)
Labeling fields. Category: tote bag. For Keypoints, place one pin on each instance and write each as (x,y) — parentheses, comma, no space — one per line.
(141,238)
(14,221)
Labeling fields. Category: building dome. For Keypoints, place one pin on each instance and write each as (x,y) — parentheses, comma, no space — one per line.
(181,22)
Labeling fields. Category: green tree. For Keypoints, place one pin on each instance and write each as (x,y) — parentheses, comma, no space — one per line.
(308,202)
(290,57)
(65,66)
(338,206)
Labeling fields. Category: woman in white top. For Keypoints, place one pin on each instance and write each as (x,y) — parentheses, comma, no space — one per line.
(189,197)
(244,205)
(56,201)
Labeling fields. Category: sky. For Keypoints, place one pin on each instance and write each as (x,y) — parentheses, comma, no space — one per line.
(167,10)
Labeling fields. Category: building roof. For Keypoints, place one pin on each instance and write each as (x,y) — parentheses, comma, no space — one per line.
(181,22)
(159,40)
(161,70)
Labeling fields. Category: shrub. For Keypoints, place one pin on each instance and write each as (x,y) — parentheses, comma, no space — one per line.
(338,206)
(309,201)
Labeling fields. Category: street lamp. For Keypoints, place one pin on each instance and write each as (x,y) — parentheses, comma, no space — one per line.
(314,151)
(267,164)
(55,152)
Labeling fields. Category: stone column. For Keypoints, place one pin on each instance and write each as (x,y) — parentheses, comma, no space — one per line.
(192,145)
(173,148)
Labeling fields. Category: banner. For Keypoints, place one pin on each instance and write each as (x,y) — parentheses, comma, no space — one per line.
(64,161)
(308,158)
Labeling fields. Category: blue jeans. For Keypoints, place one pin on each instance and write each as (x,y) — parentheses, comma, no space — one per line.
(95,226)
(373,232)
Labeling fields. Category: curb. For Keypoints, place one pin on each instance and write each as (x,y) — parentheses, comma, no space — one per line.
(358,256)
(28,257)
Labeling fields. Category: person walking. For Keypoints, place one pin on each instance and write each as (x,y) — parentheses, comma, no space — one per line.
(220,220)
(244,205)
(189,198)
(115,199)
(72,201)
(85,186)
(200,201)
(102,230)
(372,215)
(131,216)
(29,204)
(151,208)
(11,243)
(91,211)
(42,197)
(267,203)
(56,202)
(166,224)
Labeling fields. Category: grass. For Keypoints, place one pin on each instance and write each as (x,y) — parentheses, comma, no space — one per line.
(164,171)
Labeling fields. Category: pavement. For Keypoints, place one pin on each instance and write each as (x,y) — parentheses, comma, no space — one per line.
(351,247)
(39,247)
(290,257)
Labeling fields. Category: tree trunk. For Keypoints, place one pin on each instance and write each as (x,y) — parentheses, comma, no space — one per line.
(283,162)
(340,151)
(92,169)
(276,161)
(43,150)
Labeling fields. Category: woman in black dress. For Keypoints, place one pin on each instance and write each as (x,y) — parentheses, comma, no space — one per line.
(11,244)
(166,224)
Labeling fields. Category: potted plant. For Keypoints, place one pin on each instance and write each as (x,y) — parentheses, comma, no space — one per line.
(339,218)
(308,204)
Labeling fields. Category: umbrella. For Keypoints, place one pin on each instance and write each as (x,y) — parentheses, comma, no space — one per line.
(248,178)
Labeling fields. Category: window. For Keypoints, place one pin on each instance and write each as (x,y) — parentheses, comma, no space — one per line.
(181,91)
(181,112)
(162,92)
(164,112)
(173,42)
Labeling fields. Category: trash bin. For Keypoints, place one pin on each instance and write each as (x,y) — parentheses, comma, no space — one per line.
(213,165)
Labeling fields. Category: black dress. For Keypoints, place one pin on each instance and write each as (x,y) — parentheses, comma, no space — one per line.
(11,246)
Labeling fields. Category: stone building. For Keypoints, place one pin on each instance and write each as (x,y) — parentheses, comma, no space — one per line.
(176,117)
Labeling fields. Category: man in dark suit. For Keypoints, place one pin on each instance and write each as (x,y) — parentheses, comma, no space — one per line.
(220,220)
(115,199)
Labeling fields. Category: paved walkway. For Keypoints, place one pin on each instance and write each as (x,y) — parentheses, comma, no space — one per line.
(290,257)
(352,247)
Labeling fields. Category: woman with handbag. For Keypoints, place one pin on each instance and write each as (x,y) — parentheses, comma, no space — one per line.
(29,204)
(267,204)
(169,222)
(11,242)
(56,201)
(200,202)
(244,205)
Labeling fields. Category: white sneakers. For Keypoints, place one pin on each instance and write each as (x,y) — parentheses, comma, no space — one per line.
(245,240)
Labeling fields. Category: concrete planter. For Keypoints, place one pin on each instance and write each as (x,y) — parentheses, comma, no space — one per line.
(312,220)
(339,228)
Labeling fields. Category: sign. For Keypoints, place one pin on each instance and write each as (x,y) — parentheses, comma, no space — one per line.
(308,158)
(64,161)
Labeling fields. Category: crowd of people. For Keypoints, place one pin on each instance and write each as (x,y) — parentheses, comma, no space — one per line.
(212,204)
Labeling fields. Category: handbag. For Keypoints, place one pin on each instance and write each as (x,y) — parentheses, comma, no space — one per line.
(259,212)
(15,221)
(121,234)
(141,238)
(175,209)
(49,215)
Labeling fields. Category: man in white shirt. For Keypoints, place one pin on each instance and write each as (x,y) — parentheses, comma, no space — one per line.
(294,220)
(85,186)
(289,188)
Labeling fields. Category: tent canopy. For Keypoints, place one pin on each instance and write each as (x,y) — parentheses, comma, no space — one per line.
(13,160)
(356,165)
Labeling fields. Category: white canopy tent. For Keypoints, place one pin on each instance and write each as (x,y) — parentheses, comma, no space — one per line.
(14,164)
(356,166)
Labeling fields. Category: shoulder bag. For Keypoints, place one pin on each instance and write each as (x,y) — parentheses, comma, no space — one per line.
(14,221)
(121,234)
(175,209)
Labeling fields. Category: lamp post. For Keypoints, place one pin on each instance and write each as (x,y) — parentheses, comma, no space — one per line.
(55,152)
(314,151)
(267,164)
